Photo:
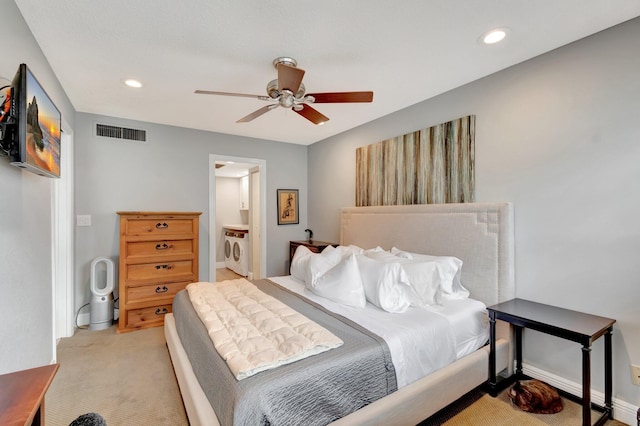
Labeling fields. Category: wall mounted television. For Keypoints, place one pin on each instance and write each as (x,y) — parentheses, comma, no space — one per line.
(30,125)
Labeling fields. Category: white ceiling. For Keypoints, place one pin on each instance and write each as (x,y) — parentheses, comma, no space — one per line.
(233,170)
(405,51)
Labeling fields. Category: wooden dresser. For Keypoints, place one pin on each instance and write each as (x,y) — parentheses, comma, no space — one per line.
(158,258)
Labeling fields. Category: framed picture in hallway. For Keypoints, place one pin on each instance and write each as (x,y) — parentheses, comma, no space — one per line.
(288,207)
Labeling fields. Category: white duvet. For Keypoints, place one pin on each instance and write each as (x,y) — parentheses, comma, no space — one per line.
(253,331)
(420,340)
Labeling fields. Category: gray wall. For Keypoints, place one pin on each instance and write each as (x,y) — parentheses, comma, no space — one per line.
(170,173)
(26,331)
(559,136)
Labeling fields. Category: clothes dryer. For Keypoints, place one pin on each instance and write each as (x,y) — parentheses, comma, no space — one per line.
(236,253)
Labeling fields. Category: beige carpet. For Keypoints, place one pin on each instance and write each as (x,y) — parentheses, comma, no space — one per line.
(129,380)
(126,378)
(500,411)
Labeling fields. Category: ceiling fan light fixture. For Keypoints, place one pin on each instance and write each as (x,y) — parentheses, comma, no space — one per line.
(272,89)
(287,99)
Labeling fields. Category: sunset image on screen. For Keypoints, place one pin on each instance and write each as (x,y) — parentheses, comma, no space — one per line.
(43,129)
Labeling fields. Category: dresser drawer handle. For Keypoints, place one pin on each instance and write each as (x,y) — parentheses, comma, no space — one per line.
(164,267)
(162,246)
(162,225)
(162,289)
(162,311)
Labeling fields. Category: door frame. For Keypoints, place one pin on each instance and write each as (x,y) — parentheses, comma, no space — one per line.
(63,243)
(262,164)
(255,230)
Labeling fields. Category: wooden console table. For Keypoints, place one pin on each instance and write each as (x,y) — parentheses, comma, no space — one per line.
(22,395)
(566,324)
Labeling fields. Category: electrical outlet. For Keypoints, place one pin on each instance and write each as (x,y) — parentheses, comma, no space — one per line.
(635,374)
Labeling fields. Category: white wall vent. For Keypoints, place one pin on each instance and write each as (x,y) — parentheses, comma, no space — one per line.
(117,132)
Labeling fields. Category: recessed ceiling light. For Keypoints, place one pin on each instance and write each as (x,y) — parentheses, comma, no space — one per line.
(494,36)
(133,83)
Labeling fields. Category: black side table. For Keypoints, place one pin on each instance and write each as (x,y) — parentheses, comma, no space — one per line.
(566,324)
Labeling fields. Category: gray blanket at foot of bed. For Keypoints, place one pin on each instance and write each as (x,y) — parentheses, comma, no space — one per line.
(313,391)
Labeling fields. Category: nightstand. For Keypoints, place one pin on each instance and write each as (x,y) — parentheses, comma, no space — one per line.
(566,324)
(313,245)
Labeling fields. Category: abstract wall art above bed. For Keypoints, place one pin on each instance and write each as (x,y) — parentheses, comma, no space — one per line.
(428,166)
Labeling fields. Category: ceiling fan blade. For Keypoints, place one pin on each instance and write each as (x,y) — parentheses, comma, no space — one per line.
(289,78)
(312,114)
(336,97)
(209,92)
(257,113)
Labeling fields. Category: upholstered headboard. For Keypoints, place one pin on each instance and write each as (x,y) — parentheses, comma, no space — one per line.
(480,234)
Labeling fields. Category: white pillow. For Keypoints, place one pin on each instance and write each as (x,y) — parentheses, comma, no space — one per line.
(328,248)
(380,254)
(449,268)
(373,250)
(424,275)
(341,283)
(300,263)
(386,285)
(320,263)
(351,249)
(424,278)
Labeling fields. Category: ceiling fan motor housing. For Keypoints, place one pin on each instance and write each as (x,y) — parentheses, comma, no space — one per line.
(273,92)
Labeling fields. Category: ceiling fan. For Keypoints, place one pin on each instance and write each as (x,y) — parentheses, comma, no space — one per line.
(288,91)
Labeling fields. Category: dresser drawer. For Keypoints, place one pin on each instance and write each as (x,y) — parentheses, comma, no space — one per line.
(146,316)
(161,271)
(159,227)
(159,248)
(154,291)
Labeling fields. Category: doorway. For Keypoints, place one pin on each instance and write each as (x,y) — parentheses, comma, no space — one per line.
(254,215)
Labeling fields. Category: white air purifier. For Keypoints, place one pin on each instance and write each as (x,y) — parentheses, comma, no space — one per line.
(101,305)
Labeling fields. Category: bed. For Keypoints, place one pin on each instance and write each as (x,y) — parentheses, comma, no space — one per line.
(480,234)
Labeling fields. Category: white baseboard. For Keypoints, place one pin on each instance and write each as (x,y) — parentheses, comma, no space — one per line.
(83,319)
(220,265)
(622,410)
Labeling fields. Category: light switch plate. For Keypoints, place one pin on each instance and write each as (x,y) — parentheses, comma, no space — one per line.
(83,220)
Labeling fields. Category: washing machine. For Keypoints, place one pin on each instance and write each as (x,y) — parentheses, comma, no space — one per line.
(236,255)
